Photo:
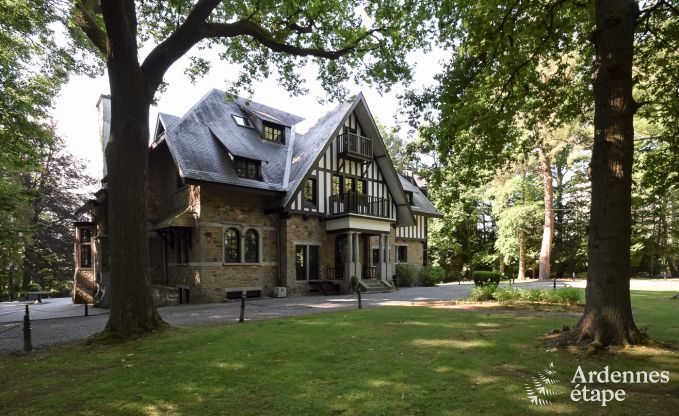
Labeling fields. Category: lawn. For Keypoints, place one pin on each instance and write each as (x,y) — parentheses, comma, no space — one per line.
(383,361)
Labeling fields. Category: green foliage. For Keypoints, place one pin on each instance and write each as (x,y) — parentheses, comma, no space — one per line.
(486,278)
(507,294)
(405,273)
(482,293)
(432,275)
(34,287)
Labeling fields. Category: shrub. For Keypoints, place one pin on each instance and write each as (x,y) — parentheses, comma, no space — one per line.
(486,278)
(568,295)
(405,274)
(507,294)
(34,287)
(482,293)
(432,275)
(533,295)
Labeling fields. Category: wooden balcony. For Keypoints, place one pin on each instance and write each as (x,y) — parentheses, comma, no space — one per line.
(355,203)
(354,147)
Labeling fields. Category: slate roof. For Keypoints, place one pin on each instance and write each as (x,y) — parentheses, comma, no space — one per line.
(202,141)
(421,204)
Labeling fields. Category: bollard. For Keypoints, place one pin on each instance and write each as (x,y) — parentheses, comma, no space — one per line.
(28,345)
(242,310)
(555,283)
(360,302)
(87,313)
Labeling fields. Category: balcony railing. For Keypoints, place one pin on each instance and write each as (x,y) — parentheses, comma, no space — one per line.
(354,146)
(355,203)
(334,273)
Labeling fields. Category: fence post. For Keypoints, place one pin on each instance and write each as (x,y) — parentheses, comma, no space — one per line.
(28,345)
(360,302)
(242,310)
(87,313)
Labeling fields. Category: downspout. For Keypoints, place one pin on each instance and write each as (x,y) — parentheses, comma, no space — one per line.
(286,184)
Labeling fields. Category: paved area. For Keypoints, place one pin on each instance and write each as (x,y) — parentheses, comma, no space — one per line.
(59,321)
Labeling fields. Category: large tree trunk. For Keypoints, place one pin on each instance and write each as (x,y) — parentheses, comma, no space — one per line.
(522,254)
(132,308)
(607,319)
(548,228)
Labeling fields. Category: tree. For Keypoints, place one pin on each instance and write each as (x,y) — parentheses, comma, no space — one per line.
(55,193)
(502,49)
(27,91)
(258,36)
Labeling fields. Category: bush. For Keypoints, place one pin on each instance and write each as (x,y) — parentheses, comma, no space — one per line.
(569,295)
(34,287)
(405,274)
(482,293)
(507,294)
(432,275)
(534,295)
(486,278)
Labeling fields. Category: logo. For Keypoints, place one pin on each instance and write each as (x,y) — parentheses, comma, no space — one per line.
(541,391)
(590,386)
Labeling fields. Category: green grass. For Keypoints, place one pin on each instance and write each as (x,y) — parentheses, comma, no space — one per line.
(385,361)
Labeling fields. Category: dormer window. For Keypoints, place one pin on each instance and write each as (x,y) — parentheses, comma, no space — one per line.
(273,132)
(248,168)
(242,121)
(409,197)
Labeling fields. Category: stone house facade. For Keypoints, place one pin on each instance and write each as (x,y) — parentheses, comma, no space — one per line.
(240,201)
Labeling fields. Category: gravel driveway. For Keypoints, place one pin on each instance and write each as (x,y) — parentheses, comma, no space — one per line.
(71,325)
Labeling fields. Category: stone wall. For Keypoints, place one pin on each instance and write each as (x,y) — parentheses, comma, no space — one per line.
(206,275)
(415,252)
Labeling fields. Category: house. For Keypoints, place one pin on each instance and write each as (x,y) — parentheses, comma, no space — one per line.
(240,201)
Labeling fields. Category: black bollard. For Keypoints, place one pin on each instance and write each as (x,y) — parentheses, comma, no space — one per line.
(555,283)
(87,313)
(28,345)
(360,301)
(242,310)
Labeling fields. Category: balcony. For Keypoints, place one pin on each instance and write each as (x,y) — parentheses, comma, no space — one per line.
(354,147)
(355,203)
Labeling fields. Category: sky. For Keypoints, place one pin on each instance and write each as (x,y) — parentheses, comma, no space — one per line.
(76,114)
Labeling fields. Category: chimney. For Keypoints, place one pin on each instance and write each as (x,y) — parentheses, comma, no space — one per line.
(104,107)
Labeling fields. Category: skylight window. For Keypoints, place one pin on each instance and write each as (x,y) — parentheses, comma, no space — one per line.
(242,121)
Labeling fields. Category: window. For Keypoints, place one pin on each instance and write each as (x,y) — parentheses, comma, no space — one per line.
(251,247)
(85,248)
(361,187)
(242,121)
(409,197)
(336,184)
(401,254)
(273,132)
(349,184)
(310,191)
(248,168)
(307,262)
(231,246)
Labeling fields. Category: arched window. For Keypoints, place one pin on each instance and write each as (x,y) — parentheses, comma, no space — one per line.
(251,247)
(231,246)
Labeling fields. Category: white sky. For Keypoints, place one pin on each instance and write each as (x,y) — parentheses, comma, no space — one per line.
(76,114)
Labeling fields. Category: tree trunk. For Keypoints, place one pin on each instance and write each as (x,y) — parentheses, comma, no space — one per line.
(132,308)
(522,254)
(607,319)
(548,229)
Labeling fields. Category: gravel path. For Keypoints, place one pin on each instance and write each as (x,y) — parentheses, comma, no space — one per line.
(65,328)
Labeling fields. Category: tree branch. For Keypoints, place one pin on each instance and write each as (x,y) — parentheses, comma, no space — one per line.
(196,28)
(247,28)
(85,18)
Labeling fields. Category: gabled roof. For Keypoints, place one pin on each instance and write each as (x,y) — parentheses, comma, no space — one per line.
(421,204)
(203,141)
